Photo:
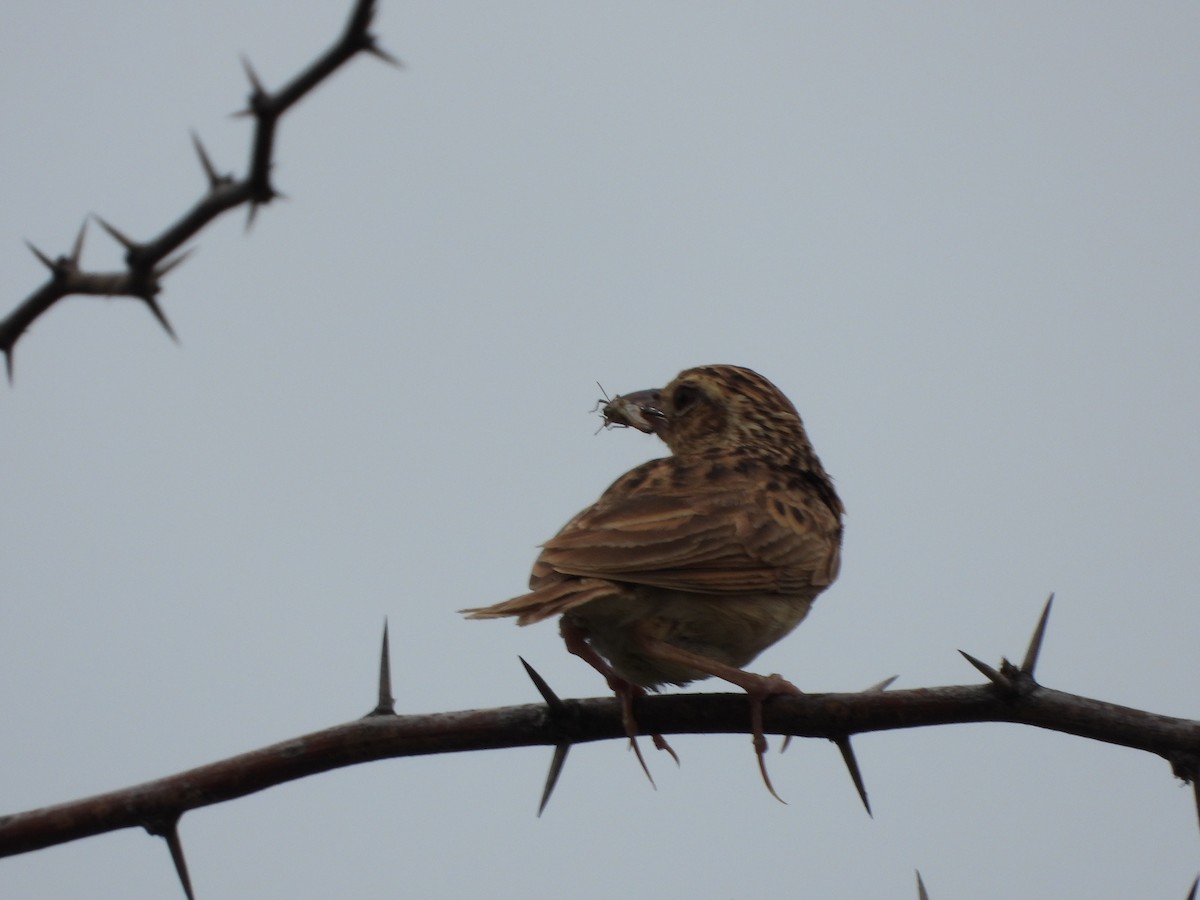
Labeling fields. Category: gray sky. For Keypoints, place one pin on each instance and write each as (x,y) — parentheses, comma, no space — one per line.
(962,238)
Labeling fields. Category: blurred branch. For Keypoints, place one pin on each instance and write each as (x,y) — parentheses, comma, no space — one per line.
(147,261)
(386,736)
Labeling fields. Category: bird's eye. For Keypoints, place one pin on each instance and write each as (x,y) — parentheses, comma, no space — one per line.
(685,395)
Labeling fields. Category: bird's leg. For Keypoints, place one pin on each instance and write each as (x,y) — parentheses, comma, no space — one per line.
(757,687)
(575,638)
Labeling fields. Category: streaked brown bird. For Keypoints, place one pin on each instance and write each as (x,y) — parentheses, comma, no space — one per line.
(690,566)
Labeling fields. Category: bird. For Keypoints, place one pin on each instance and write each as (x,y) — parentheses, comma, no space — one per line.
(689,566)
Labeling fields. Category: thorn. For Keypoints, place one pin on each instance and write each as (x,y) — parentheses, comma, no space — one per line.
(922,894)
(173,263)
(258,95)
(1186,767)
(255,84)
(215,180)
(152,303)
(873,689)
(843,744)
(996,678)
(1035,643)
(8,364)
(1196,792)
(556,767)
(77,250)
(121,238)
(176,848)
(1192,893)
(557,707)
(375,50)
(387,703)
(42,257)
(168,829)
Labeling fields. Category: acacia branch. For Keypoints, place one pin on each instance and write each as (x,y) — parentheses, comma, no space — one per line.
(387,736)
(146,262)
(1011,695)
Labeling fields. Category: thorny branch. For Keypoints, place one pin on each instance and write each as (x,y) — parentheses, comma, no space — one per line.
(1011,695)
(386,737)
(146,262)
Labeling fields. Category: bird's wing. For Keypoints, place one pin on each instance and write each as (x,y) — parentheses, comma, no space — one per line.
(721,536)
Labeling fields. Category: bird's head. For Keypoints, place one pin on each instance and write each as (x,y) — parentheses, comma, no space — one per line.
(718,406)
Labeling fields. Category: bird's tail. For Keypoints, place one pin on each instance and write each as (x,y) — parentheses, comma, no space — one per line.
(546,601)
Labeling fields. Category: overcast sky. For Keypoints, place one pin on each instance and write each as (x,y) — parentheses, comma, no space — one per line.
(961,237)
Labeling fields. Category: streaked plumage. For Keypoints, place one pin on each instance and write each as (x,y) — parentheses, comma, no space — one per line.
(690,566)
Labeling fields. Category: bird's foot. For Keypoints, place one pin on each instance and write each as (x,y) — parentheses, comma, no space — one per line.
(758,688)
(626,691)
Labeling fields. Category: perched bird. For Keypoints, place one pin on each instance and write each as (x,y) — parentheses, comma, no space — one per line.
(690,566)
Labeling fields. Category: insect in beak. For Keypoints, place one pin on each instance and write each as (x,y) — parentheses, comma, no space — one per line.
(640,410)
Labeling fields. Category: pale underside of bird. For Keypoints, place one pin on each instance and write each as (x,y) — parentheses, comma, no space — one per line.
(689,566)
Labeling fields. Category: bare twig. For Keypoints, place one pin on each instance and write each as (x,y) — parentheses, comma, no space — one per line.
(147,261)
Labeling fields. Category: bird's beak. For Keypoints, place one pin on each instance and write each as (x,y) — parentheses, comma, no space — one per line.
(641,410)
